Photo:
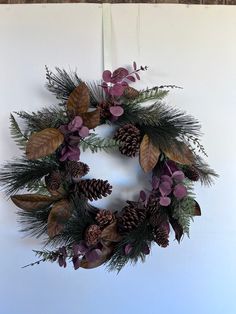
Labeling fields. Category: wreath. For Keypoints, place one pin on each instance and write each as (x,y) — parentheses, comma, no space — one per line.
(58,205)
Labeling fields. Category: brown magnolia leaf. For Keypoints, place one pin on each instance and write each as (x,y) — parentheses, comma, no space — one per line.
(106,254)
(78,101)
(110,233)
(59,215)
(197,209)
(91,119)
(179,152)
(43,143)
(149,154)
(30,202)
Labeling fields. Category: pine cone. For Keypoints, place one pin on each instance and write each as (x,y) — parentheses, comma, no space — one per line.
(77,169)
(53,180)
(191,173)
(130,139)
(94,188)
(105,218)
(161,235)
(92,235)
(131,93)
(131,217)
(104,109)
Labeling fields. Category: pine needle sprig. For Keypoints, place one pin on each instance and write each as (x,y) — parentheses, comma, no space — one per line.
(47,117)
(25,174)
(61,83)
(206,173)
(45,256)
(154,93)
(18,136)
(95,144)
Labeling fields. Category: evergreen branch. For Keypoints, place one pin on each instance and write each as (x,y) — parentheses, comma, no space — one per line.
(48,117)
(183,211)
(154,93)
(23,173)
(195,141)
(207,174)
(95,143)
(17,134)
(45,256)
(97,94)
(61,83)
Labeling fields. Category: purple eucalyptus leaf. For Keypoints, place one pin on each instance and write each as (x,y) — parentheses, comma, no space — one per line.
(165,188)
(61,260)
(134,66)
(142,196)
(93,255)
(62,251)
(116,111)
(84,131)
(128,249)
(166,178)
(117,90)
(155,182)
(146,249)
(178,176)
(106,75)
(75,124)
(131,78)
(82,248)
(119,74)
(76,262)
(64,129)
(137,76)
(165,201)
(180,191)
(70,153)
(170,167)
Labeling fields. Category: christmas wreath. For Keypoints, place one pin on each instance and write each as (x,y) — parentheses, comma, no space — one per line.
(52,171)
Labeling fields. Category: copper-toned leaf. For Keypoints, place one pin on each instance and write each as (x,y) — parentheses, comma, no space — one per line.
(197,209)
(59,215)
(78,101)
(149,154)
(43,143)
(179,152)
(91,119)
(105,255)
(32,202)
(110,233)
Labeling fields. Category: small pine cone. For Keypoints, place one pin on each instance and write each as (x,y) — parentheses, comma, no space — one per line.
(191,173)
(161,236)
(130,139)
(131,217)
(53,180)
(131,93)
(104,109)
(94,188)
(105,218)
(92,235)
(77,169)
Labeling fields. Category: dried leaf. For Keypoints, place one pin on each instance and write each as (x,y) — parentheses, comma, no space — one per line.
(178,229)
(197,211)
(110,233)
(149,154)
(78,101)
(105,255)
(59,215)
(91,119)
(43,143)
(179,152)
(30,202)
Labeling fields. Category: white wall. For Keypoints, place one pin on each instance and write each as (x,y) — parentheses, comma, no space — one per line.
(190,46)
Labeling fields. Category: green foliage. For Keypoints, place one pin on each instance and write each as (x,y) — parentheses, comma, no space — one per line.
(18,136)
(154,93)
(25,174)
(137,238)
(96,143)
(183,211)
(48,117)
(206,173)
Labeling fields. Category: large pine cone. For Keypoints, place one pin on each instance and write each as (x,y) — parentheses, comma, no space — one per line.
(92,235)
(94,188)
(191,173)
(105,218)
(161,234)
(131,217)
(77,169)
(53,181)
(130,139)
